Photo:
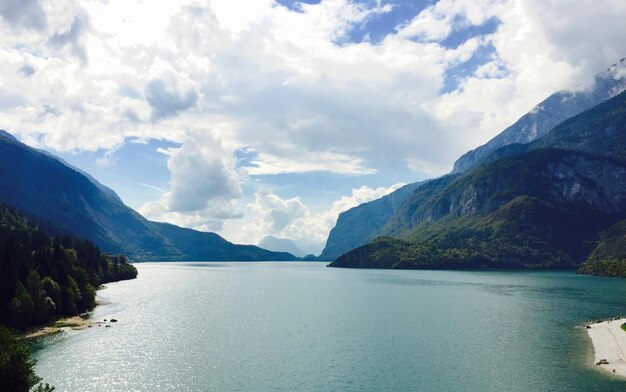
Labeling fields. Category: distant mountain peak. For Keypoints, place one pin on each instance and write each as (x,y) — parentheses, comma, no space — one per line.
(281,245)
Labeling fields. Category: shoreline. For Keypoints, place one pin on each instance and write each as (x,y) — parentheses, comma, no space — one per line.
(76,323)
(609,345)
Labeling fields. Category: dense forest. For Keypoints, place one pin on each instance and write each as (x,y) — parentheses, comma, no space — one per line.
(609,256)
(44,278)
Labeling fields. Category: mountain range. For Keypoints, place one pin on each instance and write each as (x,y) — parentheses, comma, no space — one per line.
(281,245)
(360,225)
(65,200)
(543,203)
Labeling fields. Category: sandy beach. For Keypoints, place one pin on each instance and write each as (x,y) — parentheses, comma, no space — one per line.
(76,323)
(609,343)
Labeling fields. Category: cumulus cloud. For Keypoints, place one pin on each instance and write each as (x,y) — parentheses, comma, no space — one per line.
(204,187)
(166,101)
(437,21)
(72,37)
(287,84)
(199,174)
(270,214)
(269,73)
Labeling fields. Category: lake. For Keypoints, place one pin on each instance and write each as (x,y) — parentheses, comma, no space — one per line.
(305,327)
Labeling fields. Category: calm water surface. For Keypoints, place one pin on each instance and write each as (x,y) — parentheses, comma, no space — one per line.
(304,327)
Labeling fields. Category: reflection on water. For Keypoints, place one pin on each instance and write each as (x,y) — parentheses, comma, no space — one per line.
(302,326)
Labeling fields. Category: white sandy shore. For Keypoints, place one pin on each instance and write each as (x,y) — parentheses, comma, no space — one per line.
(609,343)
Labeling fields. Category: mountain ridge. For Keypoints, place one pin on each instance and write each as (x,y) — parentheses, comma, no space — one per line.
(555,109)
(365,222)
(47,189)
(562,198)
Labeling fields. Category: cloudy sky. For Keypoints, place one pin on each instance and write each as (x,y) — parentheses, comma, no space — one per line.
(255,117)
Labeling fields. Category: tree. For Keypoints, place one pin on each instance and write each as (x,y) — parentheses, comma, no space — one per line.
(38,296)
(22,307)
(53,291)
(16,369)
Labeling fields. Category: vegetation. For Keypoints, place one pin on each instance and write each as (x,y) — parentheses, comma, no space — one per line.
(609,256)
(44,278)
(68,201)
(516,223)
(506,238)
(16,368)
(538,205)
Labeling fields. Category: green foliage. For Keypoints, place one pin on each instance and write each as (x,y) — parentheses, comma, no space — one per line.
(43,278)
(16,369)
(608,267)
(538,205)
(608,258)
(524,233)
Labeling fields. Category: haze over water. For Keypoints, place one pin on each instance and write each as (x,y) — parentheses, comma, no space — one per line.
(305,327)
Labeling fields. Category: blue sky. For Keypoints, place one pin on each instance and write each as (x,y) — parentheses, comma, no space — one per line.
(258,117)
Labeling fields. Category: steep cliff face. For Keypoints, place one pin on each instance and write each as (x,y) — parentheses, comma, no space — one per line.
(557,176)
(361,224)
(527,206)
(542,209)
(545,116)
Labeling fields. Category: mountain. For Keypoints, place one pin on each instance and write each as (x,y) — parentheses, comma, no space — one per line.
(359,225)
(365,222)
(281,245)
(608,258)
(539,205)
(545,116)
(64,200)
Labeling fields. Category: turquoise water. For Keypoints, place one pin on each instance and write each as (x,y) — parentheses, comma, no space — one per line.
(304,327)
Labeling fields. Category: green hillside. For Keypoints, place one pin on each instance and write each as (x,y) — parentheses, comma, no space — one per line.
(44,278)
(541,205)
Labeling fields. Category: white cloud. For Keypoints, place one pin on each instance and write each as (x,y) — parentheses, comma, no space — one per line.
(204,185)
(260,68)
(438,21)
(540,47)
(269,214)
(166,101)
(307,162)
(285,84)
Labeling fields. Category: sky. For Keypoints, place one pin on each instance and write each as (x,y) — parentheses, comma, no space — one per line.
(270,117)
